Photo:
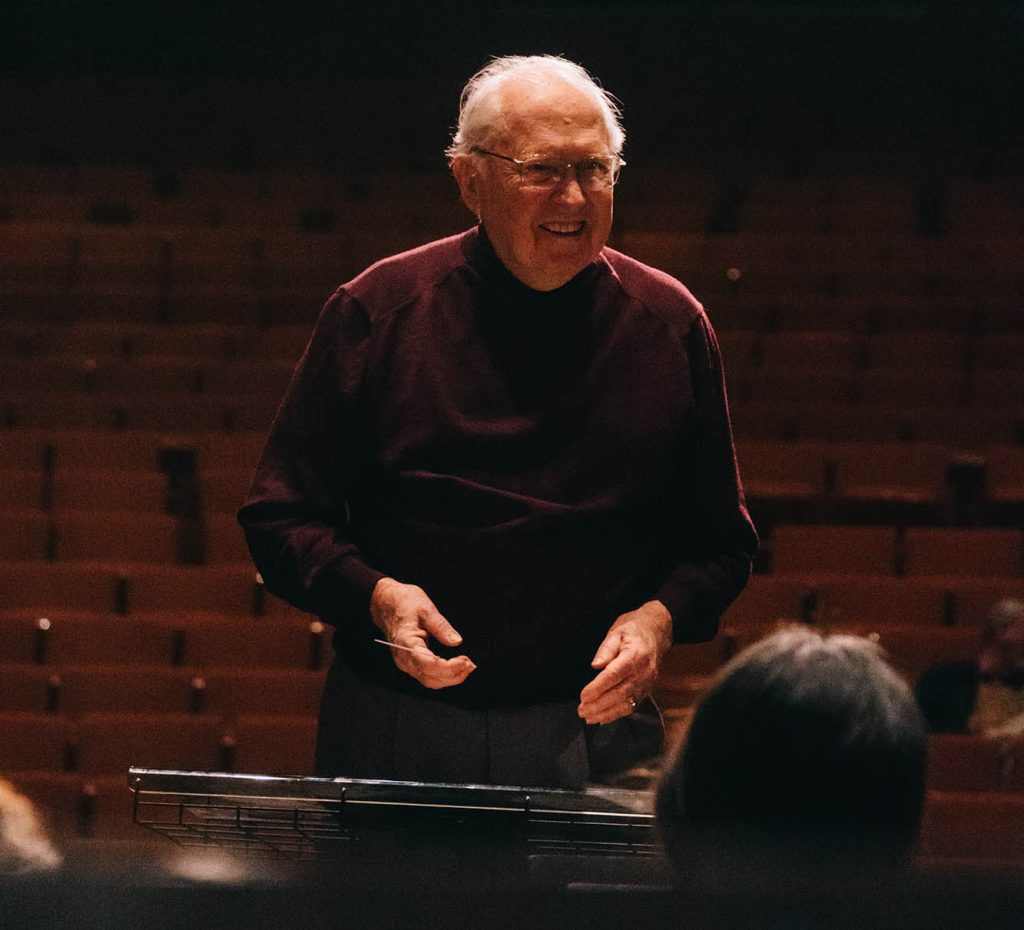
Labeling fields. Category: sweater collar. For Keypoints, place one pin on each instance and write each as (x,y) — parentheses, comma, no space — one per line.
(506,286)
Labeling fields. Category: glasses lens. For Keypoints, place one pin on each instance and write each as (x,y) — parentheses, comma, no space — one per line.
(593,173)
(540,172)
(596,173)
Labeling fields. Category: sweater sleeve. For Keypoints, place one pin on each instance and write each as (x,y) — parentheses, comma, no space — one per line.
(713,555)
(295,516)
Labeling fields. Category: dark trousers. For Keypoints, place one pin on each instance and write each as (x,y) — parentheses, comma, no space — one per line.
(367,731)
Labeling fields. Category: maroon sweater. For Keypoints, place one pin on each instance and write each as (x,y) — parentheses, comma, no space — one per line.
(538,462)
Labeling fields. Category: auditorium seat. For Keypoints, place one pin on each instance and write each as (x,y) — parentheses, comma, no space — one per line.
(916,351)
(795,387)
(109,489)
(219,450)
(967,427)
(864,204)
(213,277)
(671,250)
(809,312)
(119,274)
(131,414)
(231,692)
(155,590)
(127,339)
(105,812)
(99,448)
(1001,389)
(942,387)
(815,350)
(768,599)
(59,372)
(25,535)
(133,684)
(274,744)
(675,692)
(224,489)
(104,640)
(836,549)
(181,374)
(58,800)
(34,742)
(852,599)
(784,481)
(110,743)
(965,551)
(973,825)
(103,181)
(737,347)
(701,658)
(57,589)
(968,762)
(245,376)
(283,342)
(912,649)
(36,273)
(914,313)
(890,482)
(116,536)
(224,539)
(976,596)
(265,642)
(24,686)
(35,408)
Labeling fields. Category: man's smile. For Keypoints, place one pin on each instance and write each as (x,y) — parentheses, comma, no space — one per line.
(564,229)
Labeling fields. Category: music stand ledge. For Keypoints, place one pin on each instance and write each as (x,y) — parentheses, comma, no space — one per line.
(310,818)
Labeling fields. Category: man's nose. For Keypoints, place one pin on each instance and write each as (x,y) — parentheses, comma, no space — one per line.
(568,188)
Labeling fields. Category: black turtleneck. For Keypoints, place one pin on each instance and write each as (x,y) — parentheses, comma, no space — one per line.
(537,461)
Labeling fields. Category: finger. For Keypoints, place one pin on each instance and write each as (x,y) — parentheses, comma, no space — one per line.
(444,673)
(608,650)
(432,670)
(439,627)
(620,669)
(610,706)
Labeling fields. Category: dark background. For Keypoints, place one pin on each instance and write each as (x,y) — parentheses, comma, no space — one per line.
(922,87)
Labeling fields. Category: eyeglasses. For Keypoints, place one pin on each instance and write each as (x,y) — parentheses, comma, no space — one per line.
(540,172)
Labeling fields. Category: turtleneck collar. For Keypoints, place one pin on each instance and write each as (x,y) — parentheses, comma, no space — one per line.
(509,289)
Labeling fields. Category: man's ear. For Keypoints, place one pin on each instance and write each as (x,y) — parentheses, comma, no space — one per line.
(467,176)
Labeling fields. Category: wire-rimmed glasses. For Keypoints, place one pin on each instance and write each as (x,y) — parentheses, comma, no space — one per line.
(543,172)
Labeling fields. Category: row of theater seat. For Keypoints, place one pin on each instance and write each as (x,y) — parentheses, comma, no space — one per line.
(125,536)
(925,473)
(913,380)
(109,743)
(86,352)
(110,357)
(759,201)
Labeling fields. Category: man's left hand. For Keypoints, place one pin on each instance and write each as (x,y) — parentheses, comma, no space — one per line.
(628,659)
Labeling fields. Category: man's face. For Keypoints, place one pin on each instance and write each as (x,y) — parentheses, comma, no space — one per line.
(543,236)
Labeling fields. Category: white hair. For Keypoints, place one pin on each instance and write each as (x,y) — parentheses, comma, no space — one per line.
(480,105)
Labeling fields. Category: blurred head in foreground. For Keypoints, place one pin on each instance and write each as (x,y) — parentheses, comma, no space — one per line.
(24,843)
(806,759)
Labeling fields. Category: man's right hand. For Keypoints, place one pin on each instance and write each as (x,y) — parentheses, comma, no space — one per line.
(407,618)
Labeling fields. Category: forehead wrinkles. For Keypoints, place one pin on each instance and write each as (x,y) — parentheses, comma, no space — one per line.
(532,117)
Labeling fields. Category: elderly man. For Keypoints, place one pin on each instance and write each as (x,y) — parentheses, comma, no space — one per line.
(504,469)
